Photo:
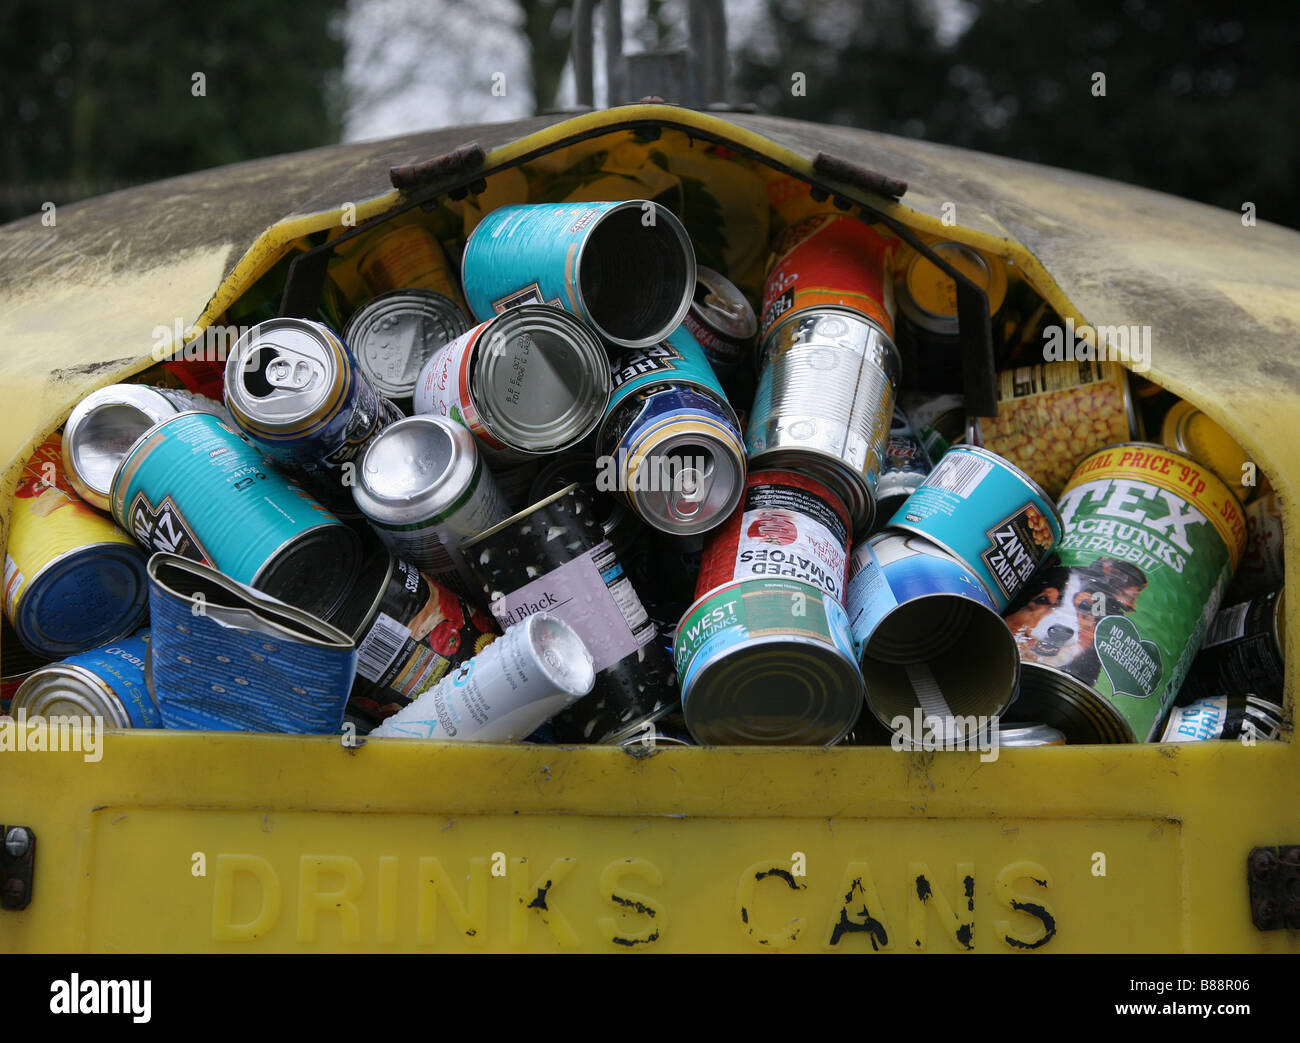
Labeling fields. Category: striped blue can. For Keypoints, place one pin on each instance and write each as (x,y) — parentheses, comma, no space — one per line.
(106,682)
(678,360)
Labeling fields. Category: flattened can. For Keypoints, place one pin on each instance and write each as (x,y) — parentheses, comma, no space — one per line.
(106,423)
(554,557)
(410,631)
(626,269)
(788,525)
(903,468)
(193,487)
(1263,565)
(106,682)
(767,662)
(721,320)
(73,580)
(424,487)
(531,381)
(988,514)
(1242,653)
(1107,633)
(831,261)
(409,258)
(824,404)
(932,645)
(394,335)
(504,693)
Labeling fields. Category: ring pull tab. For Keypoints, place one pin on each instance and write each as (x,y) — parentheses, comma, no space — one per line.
(690,487)
(731,309)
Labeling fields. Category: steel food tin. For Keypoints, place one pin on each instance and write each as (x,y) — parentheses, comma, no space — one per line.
(903,467)
(554,557)
(424,487)
(73,580)
(504,693)
(824,404)
(932,645)
(627,269)
(193,487)
(767,662)
(1242,653)
(531,381)
(988,514)
(1108,632)
(394,335)
(106,682)
(408,258)
(721,320)
(831,261)
(788,525)
(1188,430)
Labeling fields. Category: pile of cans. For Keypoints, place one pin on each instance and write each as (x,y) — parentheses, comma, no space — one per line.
(694,520)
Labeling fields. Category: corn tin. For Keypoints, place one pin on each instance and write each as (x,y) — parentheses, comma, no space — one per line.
(528,382)
(409,258)
(721,320)
(506,692)
(73,580)
(986,513)
(831,261)
(788,525)
(106,682)
(1190,431)
(192,487)
(767,662)
(394,335)
(1107,634)
(626,269)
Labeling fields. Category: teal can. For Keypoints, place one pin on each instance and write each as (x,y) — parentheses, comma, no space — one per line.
(678,359)
(191,486)
(627,269)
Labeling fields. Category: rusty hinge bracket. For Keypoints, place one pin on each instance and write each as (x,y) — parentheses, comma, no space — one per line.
(17,865)
(1274,877)
(857,175)
(453,164)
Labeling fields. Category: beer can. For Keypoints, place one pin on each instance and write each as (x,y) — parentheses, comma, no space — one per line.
(831,261)
(824,404)
(1242,653)
(932,645)
(73,580)
(408,258)
(1108,631)
(410,631)
(903,467)
(1188,430)
(1053,414)
(721,320)
(506,692)
(626,269)
(788,525)
(106,423)
(988,514)
(1262,566)
(1235,715)
(193,487)
(554,557)
(394,335)
(106,682)
(424,487)
(531,381)
(767,662)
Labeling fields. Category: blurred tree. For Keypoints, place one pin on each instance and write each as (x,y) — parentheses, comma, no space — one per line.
(95,96)
(547,27)
(1199,100)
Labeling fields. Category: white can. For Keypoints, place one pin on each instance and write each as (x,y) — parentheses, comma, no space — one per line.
(506,692)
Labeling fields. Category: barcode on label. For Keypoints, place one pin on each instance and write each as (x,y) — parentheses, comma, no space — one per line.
(384,642)
(1228,625)
(959,473)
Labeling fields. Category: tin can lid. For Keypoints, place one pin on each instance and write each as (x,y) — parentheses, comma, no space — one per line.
(539,379)
(721,306)
(283,372)
(419,469)
(394,335)
(69,690)
(928,297)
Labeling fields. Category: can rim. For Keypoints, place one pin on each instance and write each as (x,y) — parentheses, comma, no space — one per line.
(324,406)
(413,300)
(137,396)
(742,331)
(572,487)
(95,694)
(1052,682)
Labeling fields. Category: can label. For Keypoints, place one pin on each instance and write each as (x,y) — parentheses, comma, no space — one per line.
(723,353)
(593,595)
(1241,653)
(406,258)
(678,359)
(120,665)
(787,525)
(1262,565)
(443,387)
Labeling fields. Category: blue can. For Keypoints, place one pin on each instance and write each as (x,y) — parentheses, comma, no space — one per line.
(193,487)
(627,269)
(106,682)
(678,360)
(988,514)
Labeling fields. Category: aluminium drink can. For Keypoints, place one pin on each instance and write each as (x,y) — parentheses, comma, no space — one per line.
(106,682)
(721,320)
(1243,653)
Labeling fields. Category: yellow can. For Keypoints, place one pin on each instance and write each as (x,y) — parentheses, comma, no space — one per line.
(1187,429)
(73,580)
(927,297)
(409,258)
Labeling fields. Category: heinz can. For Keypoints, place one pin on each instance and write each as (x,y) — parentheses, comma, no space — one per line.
(626,269)
(394,335)
(903,468)
(824,403)
(554,557)
(424,487)
(193,487)
(1108,633)
(504,693)
(106,682)
(1242,653)
(721,320)
(531,381)
(409,258)
(789,525)
(768,662)
(831,261)
(988,514)
(73,580)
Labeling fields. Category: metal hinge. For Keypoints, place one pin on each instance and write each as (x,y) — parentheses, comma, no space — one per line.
(1274,877)
(17,863)
(450,165)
